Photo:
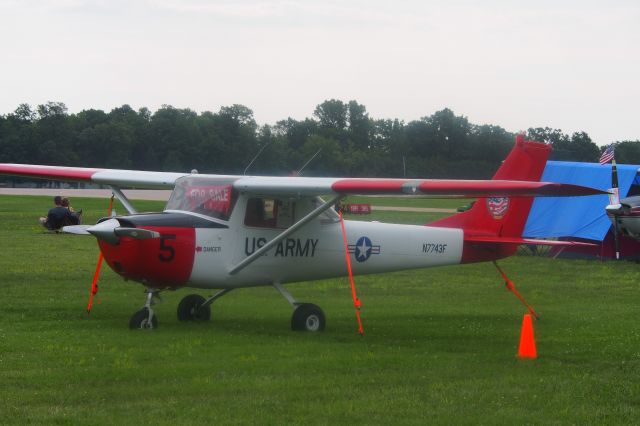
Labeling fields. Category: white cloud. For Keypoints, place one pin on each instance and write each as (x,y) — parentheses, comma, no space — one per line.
(566,64)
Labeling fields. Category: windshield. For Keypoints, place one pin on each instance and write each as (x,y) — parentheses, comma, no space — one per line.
(214,197)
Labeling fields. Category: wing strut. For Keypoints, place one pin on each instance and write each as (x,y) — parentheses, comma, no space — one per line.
(284,234)
(123,199)
(356,302)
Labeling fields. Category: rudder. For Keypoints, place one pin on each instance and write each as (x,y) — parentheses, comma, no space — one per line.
(501,216)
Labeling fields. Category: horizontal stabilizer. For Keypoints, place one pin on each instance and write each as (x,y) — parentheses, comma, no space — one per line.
(527,241)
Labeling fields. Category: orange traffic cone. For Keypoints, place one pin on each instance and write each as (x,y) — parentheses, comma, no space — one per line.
(527,347)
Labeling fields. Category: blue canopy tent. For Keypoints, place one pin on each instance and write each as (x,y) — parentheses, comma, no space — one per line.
(578,217)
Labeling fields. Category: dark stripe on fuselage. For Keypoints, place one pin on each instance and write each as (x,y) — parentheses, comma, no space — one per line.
(173,219)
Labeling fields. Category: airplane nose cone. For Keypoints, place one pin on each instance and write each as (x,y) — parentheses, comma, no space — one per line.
(105,231)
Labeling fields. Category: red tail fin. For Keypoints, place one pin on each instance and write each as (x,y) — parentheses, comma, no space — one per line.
(501,217)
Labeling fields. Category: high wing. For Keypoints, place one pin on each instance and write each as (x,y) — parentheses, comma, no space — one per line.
(305,186)
(425,187)
(120,178)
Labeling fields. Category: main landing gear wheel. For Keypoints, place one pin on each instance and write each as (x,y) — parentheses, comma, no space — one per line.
(141,320)
(190,309)
(307,317)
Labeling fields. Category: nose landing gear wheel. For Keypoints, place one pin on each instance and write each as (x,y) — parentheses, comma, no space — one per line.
(307,317)
(141,320)
(190,309)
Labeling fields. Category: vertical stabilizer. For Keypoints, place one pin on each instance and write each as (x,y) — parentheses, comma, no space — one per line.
(501,216)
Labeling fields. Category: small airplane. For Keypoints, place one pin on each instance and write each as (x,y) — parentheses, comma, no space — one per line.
(624,213)
(225,232)
(626,216)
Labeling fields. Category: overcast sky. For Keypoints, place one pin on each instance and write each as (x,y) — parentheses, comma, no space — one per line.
(573,65)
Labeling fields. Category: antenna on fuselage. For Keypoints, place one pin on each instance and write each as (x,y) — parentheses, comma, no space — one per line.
(255,158)
(299,172)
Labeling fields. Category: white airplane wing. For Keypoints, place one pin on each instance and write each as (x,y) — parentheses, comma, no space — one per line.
(305,186)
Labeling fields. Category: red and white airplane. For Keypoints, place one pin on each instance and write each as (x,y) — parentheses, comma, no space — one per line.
(225,232)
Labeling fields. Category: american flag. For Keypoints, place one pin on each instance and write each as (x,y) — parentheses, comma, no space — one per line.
(607,155)
(497,206)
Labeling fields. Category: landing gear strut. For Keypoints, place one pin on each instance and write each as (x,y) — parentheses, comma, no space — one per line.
(196,308)
(306,316)
(145,318)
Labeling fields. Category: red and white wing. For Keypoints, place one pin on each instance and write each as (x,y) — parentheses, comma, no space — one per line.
(306,186)
(301,186)
(120,178)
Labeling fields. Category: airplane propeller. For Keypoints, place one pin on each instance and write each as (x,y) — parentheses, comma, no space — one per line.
(108,230)
(76,229)
(111,231)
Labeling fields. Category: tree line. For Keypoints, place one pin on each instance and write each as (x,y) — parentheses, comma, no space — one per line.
(347,141)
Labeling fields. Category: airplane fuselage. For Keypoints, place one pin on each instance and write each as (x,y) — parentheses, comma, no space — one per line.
(318,252)
(625,216)
(196,251)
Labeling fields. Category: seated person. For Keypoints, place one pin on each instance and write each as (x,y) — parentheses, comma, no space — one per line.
(76,217)
(58,216)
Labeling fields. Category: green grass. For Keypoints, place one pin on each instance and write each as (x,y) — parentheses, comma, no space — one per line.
(410,201)
(411,218)
(439,348)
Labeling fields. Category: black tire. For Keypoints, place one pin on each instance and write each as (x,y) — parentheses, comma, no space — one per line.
(140,320)
(308,317)
(190,309)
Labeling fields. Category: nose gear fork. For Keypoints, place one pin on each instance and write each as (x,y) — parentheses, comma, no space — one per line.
(151,296)
(145,318)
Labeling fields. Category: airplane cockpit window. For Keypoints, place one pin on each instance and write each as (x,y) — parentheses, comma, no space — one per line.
(265,212)
(269,213)
(214,197)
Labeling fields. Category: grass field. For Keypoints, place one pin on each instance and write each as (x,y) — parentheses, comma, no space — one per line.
(405,201)
(439,347)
